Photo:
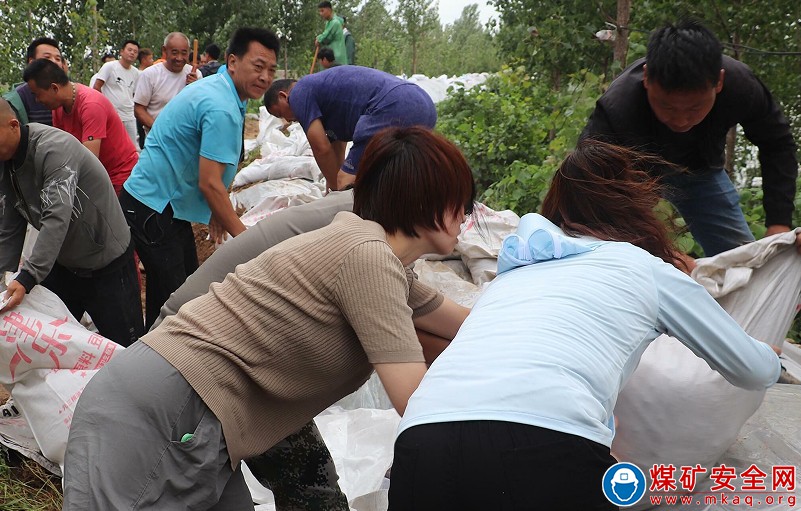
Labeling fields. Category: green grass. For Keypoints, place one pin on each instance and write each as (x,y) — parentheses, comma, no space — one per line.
(26,486)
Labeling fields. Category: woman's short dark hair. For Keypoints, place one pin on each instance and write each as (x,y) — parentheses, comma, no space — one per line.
(411,178)
(601,190)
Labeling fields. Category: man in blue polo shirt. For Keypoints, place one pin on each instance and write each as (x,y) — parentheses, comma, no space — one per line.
(188,162)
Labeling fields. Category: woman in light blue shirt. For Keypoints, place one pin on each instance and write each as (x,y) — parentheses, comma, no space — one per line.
(517,412)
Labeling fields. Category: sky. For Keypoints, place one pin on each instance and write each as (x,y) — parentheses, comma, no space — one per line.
(450,10)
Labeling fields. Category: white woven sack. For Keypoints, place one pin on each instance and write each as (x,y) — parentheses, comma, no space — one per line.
(675,409)
(46,359)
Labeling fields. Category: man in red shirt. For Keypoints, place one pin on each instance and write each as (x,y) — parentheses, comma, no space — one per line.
(86,114)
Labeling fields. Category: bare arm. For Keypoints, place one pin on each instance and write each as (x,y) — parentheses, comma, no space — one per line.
(99,85)
(343,178)
(400,380)
(444,321)
(210,182)
(776,229)
(339,147)
(433,345)
(140,112)
(326,156)
(94,146)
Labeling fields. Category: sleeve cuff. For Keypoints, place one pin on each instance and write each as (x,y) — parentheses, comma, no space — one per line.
(26,279)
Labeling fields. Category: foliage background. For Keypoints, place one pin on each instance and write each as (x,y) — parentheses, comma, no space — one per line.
(404,36)
(517,128)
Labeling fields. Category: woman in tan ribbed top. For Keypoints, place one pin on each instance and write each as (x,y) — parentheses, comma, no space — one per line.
(165,424)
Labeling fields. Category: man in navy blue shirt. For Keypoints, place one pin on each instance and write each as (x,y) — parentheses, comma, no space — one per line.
(348,103)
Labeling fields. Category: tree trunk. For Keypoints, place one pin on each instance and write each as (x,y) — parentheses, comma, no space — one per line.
(414,57)
(731,139)
(622,35)
(731,136)
(95,49)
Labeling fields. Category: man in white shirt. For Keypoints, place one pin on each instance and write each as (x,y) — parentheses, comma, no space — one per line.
(160,83)
(117,81)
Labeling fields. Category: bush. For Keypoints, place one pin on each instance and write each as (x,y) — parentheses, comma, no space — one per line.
(515,130)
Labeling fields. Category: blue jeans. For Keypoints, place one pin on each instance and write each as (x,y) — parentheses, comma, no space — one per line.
(710,206)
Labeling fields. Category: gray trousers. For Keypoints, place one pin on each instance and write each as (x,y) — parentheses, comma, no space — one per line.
(142,439)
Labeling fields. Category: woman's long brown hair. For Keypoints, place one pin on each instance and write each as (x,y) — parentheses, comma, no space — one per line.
(601,190)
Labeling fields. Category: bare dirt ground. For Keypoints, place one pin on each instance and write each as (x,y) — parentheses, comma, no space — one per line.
(251,128)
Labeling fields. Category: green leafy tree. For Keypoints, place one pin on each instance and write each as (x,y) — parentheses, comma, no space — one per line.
(146,21)
(21,24)
(462,47)
(470,45)
(515,130)
(417,18)
(554,39)
(378,37)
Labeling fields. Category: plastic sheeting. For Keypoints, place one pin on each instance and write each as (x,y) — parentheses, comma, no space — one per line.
(481,238)
(437,87)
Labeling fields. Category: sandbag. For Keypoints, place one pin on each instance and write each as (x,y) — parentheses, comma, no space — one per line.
(441,276)
(279,166)
(262,199)
(675,409)
(481,239)
(46,359)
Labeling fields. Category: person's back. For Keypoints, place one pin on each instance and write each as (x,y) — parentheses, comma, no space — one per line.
(550,316)
(35,111)
(350,43)
(17,105)
(93,117)
(340,96)
(97,233)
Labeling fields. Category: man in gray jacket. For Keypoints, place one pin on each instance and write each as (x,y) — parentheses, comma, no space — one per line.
(83,252)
